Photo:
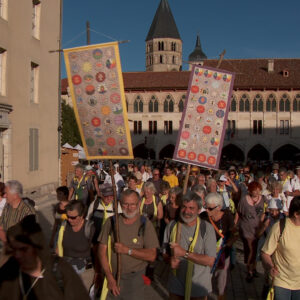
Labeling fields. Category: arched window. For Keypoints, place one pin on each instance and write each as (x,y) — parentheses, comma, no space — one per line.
(153,104)
(160,46)
(271,103)
(260,103)
(161,59)
(138,105)
(284,103)
(233,103)
(296,103)
(169,104)
(181,103)
(173,46)
(244,103)
(254,105)
(173,59)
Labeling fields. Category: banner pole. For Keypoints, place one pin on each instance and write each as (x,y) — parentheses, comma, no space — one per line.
(117,229)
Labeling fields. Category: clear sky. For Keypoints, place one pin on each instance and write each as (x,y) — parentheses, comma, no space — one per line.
(246,29)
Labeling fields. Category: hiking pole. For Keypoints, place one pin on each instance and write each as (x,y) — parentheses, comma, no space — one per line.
(117,230)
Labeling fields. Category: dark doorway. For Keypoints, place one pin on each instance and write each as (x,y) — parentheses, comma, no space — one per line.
(167,151)
(258,152)
(286,152)
(141,151)
(233,153)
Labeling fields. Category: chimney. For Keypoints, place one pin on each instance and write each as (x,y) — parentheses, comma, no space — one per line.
(270,65)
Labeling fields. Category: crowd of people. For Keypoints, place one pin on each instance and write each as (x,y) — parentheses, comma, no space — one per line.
(186,218)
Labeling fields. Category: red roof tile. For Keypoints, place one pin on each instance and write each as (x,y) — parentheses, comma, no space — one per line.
(250,74)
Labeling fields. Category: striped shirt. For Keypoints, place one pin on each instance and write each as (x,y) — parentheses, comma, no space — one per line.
(11,216)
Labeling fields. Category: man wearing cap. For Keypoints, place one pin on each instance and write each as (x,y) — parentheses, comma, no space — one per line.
(119,181)
(81,186)
(275,171)
(91,172)
(137,246)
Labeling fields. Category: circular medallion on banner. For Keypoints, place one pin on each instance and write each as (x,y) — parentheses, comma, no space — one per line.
(185,135)
(222,104)
(183,144)
(88,78)
(115,98)
(111,141)
(206,129)
(100,76)
(208,120)
(215,141)
(78,91)
(211,160)
(122,141)
(194,89)
(208,73)
(227,78)
(96,122)
(114,87)
(200,109)
(92,102)
(213,150)
(218,123)
(120,131)
(90,142)
(90,89)
(202,100)
(98,65)
(202,157)
(85,55)
(191,155)
(87,67)
(117,109)
(101,88)
(98,132)
(109,131)
(204,139)
(97,53)
(123,151)
(102,151)
(217,76)
(210,111)
(220,113)
(118,120)
(198,71)
(76,79)
(181,153)
(105,110)
(110,63)
(75,68)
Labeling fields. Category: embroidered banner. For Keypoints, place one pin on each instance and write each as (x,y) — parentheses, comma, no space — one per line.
(203,124)
(97,91)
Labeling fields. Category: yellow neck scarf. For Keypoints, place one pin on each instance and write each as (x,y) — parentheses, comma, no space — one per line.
(190,268)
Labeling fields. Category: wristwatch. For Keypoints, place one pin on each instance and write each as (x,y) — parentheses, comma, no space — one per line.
(129,252)
(186,255)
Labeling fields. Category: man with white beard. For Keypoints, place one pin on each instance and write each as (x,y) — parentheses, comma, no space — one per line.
(137,246)
(193,254)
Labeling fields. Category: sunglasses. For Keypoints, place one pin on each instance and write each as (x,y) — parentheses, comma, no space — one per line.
(211,208)
(72,218)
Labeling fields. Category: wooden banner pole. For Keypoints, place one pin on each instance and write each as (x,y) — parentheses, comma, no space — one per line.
(117,229)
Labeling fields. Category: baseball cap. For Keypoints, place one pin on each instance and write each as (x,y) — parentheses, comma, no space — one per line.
(222,178)
(88,168)
(106,189)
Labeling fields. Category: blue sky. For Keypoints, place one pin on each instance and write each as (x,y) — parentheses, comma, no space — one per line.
(246,29)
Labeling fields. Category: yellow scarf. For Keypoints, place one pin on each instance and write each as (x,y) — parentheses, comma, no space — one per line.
(104,287)
(60,239)
(78,186)
(154,204)
(105,213)
(190,268)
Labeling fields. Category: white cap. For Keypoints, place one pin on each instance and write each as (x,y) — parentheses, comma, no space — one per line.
(222,178)
(88,168)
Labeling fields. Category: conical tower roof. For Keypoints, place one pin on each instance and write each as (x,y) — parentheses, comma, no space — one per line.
(163,24)
(197,54)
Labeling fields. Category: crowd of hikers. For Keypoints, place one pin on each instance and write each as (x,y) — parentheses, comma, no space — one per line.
(182,217)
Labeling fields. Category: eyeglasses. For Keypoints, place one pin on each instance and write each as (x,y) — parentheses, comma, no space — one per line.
(72,218)
(211,208)
(156,174)
(129,205)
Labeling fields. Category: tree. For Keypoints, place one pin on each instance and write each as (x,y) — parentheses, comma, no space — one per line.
(70,131)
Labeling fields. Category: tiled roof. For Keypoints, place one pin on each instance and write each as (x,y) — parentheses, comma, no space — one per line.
(250,74)
(163,24)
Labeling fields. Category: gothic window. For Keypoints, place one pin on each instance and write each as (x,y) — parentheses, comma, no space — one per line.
(233,103)
(169,104)
(247,105)
(260,103)
(153,104)
(181,103)
(244,104)
(138,105)
(271,103)
(296,103)
(173,46)
(284,103)
(160,46)
(254,105)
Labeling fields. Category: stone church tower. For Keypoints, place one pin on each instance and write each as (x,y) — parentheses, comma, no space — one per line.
(197,56)
(163,42)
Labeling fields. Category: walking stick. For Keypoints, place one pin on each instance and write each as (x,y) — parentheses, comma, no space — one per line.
(117,230)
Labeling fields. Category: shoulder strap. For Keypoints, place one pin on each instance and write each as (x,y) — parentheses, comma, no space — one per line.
(202,228)
(143,221)
(281,226)
(96,203)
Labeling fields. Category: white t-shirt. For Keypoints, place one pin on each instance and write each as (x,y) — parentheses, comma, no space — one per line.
(2,203)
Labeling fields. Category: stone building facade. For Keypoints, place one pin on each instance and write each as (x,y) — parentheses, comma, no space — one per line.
(29,81)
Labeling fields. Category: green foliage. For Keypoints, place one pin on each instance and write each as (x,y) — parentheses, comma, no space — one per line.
(70,131)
